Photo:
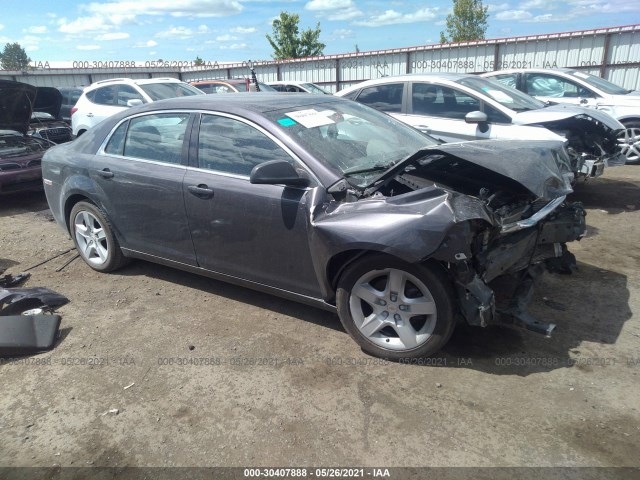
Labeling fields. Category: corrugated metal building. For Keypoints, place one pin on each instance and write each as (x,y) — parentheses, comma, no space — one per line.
(612,53)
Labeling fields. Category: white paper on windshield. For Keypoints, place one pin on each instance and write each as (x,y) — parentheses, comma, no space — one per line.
(311,118)
(581,75)
(499,96)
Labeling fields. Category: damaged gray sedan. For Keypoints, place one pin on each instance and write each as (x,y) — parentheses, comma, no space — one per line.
(326,202)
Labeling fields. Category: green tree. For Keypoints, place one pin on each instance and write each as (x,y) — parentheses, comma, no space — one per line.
(289,42)
(467,22)
(198,61)
(14,57)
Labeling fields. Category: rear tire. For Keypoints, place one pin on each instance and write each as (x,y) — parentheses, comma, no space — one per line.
(94,239)
(394,309)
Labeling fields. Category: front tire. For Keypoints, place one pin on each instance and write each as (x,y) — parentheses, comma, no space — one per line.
(94,238)
(394,309)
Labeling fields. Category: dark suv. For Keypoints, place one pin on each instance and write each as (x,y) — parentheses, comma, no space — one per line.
(70,96)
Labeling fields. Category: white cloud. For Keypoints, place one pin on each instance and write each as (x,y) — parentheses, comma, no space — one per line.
(151,43)
(84,25)
(30,39)
(36,29)
(32,48)
(104,17)
(498,7)
(203,29)
(244,30)
(334,9)
(52,15)
(176,32)
(112,36)
(226,38)
(1,26)
(341,34)
(88,47)
(183,8)
(391,17)
(314,5)
(513,15)
(529,4)
(234,46)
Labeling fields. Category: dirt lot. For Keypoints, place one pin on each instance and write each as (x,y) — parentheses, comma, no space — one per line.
(224,376)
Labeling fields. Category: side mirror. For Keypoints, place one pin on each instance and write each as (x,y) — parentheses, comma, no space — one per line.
(478,117)
(134,102)
(277,172)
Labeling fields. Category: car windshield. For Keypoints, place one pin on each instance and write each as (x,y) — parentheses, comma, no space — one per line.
(160,91)
(356,141)
(266,88)
(506,96)
(314,88)
(601,83)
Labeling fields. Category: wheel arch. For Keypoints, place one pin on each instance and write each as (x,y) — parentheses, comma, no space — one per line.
(341,261)
(70,202)
(629,119)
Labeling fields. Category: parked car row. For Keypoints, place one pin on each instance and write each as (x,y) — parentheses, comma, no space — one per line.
(336,204)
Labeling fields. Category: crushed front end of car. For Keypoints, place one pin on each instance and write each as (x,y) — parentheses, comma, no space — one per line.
(494,214)
(592,136)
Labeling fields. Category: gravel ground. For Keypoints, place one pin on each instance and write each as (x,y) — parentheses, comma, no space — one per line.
(219,375)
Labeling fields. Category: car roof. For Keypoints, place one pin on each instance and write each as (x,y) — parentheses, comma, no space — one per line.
(427,77)
(287,82)
(518,70)
(129,81)
(231,81)
(246,101)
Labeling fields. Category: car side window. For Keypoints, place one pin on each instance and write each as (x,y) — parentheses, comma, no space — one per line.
(494,115)
(116,142)
(544,85)
(126,93)
(105,95)
(156,137)
(441,101)
(231,146)
(386,98)
(351,95)
(507,79)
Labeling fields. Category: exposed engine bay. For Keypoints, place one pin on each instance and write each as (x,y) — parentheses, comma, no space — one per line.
(508,220)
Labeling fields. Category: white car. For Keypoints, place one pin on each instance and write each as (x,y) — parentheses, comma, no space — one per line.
(298,87)
(564,85)
(102,99)
(460,107)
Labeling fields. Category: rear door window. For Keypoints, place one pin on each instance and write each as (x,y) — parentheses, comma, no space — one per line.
(158,137)
(386,98)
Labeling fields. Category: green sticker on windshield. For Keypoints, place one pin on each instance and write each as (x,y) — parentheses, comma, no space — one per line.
(286,122)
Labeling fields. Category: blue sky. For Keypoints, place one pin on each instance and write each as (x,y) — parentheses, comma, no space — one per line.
(234,30)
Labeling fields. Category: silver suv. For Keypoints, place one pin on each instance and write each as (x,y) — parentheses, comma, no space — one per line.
(106,97)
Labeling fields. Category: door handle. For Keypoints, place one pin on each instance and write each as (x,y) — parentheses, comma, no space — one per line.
(89,114)
(105,173)
(200,191)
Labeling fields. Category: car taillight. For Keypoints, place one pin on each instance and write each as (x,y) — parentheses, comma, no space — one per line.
(73,110)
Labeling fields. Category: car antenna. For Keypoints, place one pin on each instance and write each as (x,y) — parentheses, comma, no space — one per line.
(254,79)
